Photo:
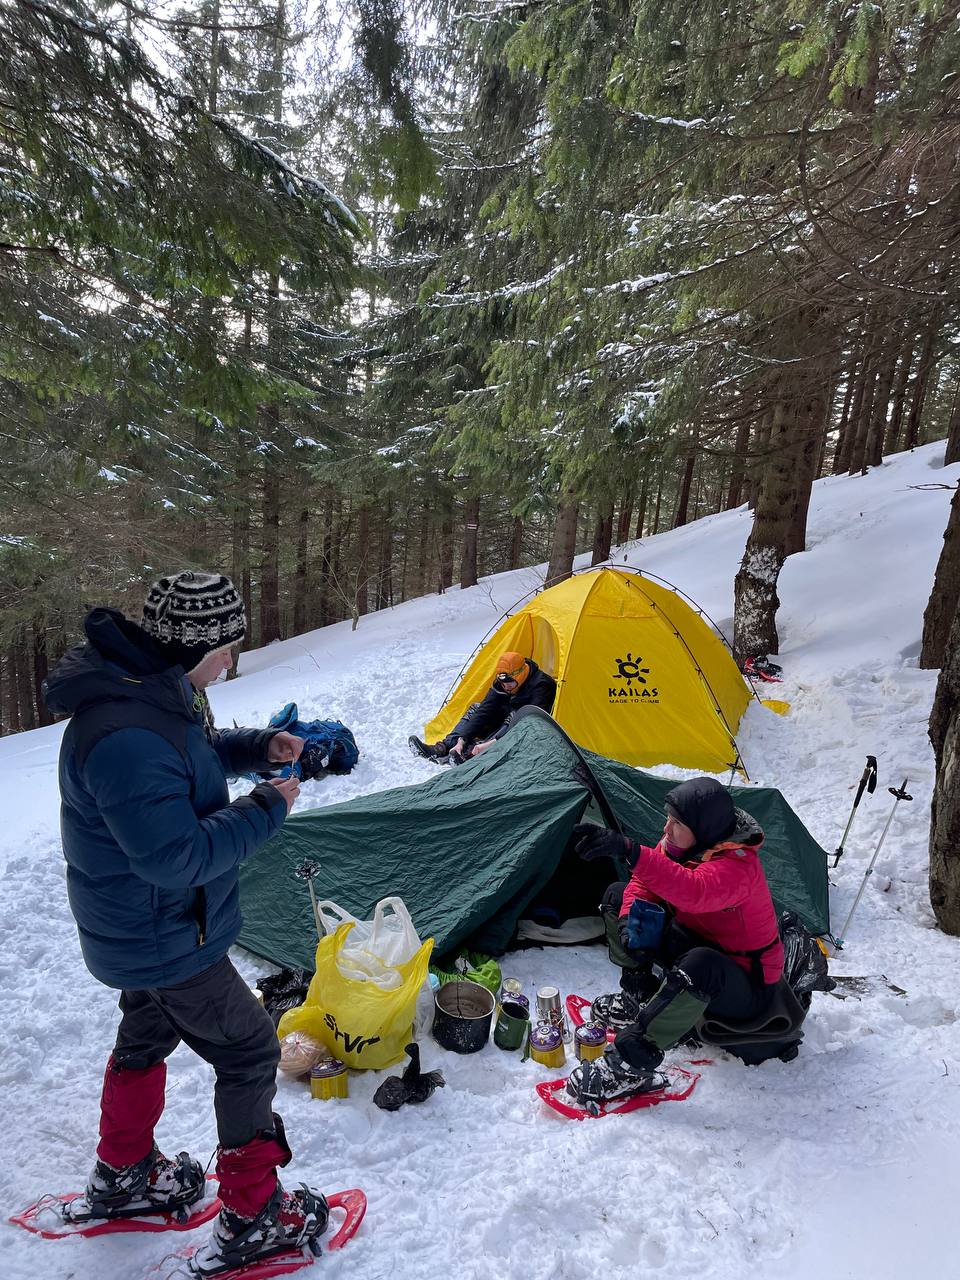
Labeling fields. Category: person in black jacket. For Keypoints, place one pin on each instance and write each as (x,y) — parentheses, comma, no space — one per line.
(519,682)
(153,845)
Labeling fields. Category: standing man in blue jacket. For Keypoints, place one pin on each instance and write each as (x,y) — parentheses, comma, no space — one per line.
(153,845)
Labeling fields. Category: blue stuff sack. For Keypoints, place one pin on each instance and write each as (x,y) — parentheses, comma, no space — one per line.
(328,745)
(646,922)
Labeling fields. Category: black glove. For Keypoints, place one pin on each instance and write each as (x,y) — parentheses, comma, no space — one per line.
(591,841)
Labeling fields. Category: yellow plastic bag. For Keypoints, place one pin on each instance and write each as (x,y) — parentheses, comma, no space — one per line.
(359,1022)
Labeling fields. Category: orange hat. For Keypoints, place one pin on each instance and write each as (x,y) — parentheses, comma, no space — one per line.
(513,666)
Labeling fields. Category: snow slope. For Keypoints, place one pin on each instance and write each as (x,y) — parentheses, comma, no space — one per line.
(841,1164)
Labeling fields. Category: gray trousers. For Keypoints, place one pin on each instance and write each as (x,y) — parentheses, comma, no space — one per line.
(220,1018)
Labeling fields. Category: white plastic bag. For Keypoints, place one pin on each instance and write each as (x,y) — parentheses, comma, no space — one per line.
(374,947)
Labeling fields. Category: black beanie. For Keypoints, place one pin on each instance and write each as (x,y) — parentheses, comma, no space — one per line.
(191,614)
(705,806)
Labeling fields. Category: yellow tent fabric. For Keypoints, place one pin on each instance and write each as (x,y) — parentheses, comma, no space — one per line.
(641,677)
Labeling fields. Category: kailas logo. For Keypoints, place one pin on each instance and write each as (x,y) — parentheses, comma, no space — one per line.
(631,670)
(351,1044)
(630,674)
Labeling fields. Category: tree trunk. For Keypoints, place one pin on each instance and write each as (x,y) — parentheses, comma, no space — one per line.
(270,540)
(945,811)
(563,548)
(843,441)
(642,505)
(794,439)
(945,596)
(683,500)
(922,380)
(445,548)
(953,430)
(361,602)
(759,459)
(626,517)
(516,543)
(40,671)
(25,692)
(301,586)
(862,411)
(421,577)
(603,535)
(384,592)
(739,465)
(471,530)
(881,406)
(14,724)
(899,397)
(658,502)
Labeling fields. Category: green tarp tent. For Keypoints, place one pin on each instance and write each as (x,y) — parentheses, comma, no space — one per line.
(470,849)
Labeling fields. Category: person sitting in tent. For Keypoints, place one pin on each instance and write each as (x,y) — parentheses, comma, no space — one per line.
(697,905)
(518,682)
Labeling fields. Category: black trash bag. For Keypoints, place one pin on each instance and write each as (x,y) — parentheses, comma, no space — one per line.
(804,964)
(282,991)
(413,1086)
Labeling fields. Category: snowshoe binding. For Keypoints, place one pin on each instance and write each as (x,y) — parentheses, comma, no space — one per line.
(283,1237)
(609,1078)
(155,1194)
(288,1222)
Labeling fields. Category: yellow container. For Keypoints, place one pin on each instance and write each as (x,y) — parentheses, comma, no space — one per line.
(589,1041)
(329,1080)
(546,1045)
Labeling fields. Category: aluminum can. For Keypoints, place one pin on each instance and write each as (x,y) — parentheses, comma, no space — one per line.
(589,1041)
(329,1079)
(546,1045)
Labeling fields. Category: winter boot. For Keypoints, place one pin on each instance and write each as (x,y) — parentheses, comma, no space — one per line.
(152,1185)
(289,1220)
(617,1010)
(621,1008)
(457,757)
(609,1077)
(437,751)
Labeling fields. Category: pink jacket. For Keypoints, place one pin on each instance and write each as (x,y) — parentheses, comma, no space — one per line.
(724,897)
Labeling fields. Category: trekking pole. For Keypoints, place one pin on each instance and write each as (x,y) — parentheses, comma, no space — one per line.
(306,871)
(868,782)
(899,794)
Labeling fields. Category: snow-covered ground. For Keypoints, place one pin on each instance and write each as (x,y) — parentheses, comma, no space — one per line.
(840,1164)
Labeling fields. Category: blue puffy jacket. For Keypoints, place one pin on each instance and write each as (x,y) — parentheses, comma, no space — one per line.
(152,842)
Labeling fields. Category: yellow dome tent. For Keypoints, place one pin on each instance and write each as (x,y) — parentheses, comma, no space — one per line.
(641,677)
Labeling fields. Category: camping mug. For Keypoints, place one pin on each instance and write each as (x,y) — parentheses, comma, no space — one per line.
(511,1025)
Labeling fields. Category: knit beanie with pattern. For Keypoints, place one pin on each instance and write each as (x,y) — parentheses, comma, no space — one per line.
(190,614)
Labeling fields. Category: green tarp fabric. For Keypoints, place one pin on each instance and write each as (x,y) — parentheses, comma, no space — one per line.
(471,848)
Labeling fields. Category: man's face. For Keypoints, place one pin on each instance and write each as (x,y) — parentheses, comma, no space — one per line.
(211,668)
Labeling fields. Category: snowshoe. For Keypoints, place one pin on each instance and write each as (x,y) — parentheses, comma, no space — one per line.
(54,1217)
(610,1077)
(284,1258)
(761,668)
(676,1084)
